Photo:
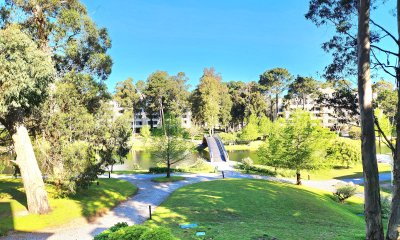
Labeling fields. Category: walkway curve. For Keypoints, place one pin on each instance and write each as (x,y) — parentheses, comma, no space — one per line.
(133,211)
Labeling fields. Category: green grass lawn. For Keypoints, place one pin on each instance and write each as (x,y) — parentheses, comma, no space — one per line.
(252,146)
(170,179)
(340,173)
(254,209)
(86,203)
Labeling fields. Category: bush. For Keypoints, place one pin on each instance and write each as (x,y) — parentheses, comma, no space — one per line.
(256,170)
(344,191)
(228,138)
(385,207)
(247,164)
(121,231)
(159,233)
(355,133)
(344,151)
(129,233)
(106,233)
(163,170)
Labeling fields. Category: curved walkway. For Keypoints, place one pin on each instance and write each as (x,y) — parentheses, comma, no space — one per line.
(136,209)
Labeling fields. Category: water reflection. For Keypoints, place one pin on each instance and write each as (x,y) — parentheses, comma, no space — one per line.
(144,160)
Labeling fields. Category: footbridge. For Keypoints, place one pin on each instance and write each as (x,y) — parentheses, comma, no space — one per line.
(216,148)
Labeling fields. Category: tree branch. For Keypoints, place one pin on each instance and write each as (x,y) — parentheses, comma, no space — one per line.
(385,51)
(386,31)
(387,141)
(383,66)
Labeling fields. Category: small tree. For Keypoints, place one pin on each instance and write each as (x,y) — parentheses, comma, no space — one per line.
(344,151)
(171,148)
(265,126)
(250,131)
(145,133)
(298,145)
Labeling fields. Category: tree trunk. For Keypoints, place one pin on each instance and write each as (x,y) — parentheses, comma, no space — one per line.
(36,194)
(168,170)
(298,177)
(394,218)
(372,211)
(271,108)
(276,106)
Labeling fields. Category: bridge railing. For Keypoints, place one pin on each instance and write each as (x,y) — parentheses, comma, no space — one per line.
(221,147)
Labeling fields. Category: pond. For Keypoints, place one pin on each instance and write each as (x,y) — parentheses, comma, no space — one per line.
(143,159)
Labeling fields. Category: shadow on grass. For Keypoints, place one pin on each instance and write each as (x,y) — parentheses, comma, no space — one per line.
(11,187)
(357,174)
(6,218)
(99,199)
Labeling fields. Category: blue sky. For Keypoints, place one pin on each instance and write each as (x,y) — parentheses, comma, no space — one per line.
(240,39)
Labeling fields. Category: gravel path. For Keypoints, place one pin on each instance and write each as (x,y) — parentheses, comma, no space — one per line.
(135,209)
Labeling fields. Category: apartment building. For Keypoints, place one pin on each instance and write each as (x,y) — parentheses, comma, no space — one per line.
(141,118)
(325,114)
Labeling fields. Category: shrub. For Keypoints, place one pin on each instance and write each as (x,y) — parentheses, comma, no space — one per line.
(344,191)
(355,132)
(247,164)
(344,151)
(163,170)
(228,138)
(159,233)
(129,233)
(256,170)
(385,207)
(106,233)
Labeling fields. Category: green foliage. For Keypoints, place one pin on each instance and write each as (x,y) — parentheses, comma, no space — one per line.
(344,151)
(126,95)
(121,231)
(265,126)
(250,131)
(228,138)
(156,170)
(355,132)
(25,74)
(129,233)
(384,123)
(344,191)
(297,144)
(386,204)
(301,88)
(247,164)
(158,233)
(145,132)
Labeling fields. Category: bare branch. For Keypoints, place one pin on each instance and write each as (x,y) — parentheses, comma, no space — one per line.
(383,66)
(385,51)
(386,31)
(387,141)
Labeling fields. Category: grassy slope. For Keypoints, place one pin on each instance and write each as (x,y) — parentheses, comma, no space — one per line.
(87,203)
(250,209)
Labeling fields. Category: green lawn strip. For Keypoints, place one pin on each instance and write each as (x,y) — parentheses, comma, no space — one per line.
(137,171)
(86,203)
(340,173)
(250,209)
(165,179)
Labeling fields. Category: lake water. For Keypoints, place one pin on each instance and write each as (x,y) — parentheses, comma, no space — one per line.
(144,160)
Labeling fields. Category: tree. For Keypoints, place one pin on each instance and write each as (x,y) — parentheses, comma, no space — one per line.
(225,106)
(126,95)
(25,73)
(298,145)
(145,133)
(386,98)
(344,151)
(265,126)
(171,148)
(275,80)
(383,127)
(301,89)
(208,94)
(250,131)
(347,50)
(164,93)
